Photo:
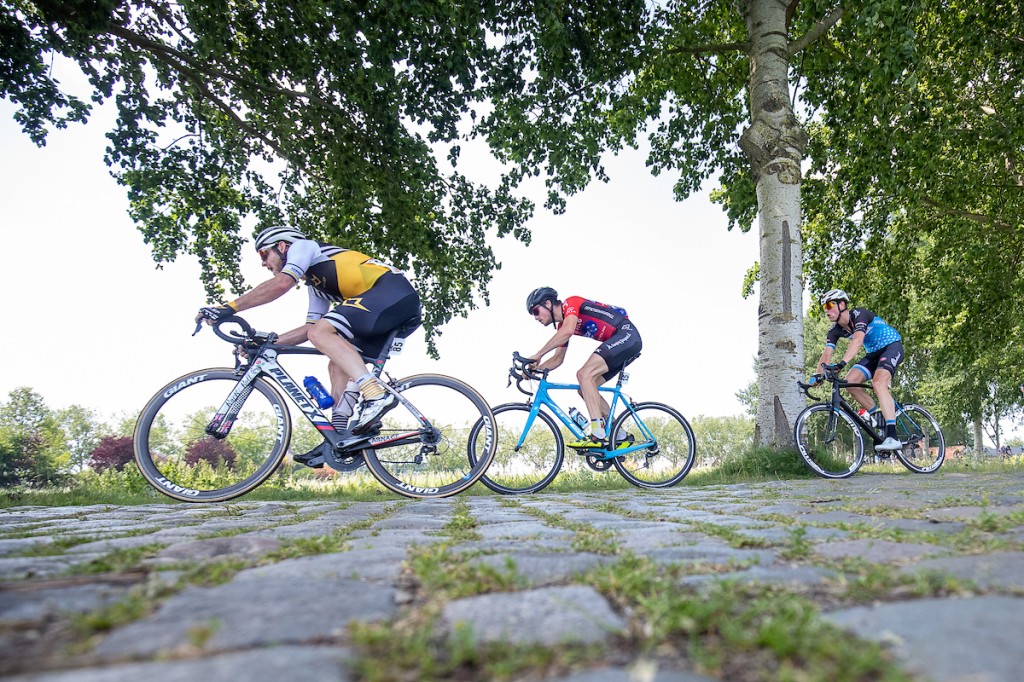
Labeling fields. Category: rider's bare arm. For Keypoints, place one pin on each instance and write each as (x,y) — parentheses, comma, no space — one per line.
(856,343)
(826,355)
(266,292)
(555,360)
(295,336)
(558,341)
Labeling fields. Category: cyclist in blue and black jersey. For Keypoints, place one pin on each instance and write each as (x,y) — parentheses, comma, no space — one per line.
(370,299)
(884,351)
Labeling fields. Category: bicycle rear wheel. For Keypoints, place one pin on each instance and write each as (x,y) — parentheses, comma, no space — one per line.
(924,447)
(425,449)
(829,441)
(178,458)
(669,446)
(531,467)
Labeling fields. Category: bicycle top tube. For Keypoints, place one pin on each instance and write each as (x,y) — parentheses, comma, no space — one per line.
(265,340)
(552,386)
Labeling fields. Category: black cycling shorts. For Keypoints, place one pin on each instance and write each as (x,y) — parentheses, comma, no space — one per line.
(620,348)
(367,320)
(888,358)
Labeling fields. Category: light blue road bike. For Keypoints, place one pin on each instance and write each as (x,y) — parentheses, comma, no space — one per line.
(650,444)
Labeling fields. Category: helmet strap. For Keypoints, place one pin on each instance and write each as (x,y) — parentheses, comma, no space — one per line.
(551,309)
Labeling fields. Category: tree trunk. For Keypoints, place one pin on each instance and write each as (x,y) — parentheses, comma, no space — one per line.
(775,143)
(979,436)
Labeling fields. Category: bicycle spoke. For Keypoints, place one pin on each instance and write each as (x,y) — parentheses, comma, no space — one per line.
(432,458)
(924,447)
(179,457)
(659,446)
(528,467)
(829,441)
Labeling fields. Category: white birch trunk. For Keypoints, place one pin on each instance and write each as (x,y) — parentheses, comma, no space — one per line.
(775,143)
(979,436)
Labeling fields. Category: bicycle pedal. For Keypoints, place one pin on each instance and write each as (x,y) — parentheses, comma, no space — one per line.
(311,458)
(584,448)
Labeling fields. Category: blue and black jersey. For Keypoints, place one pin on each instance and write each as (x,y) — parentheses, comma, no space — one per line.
(877,334)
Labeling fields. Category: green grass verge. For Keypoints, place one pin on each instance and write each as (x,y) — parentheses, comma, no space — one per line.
(750,465)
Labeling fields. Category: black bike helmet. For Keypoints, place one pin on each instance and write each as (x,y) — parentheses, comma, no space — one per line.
(538,296)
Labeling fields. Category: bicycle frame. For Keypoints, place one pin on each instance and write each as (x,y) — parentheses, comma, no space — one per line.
(265,364)
(542,398)
(839,403)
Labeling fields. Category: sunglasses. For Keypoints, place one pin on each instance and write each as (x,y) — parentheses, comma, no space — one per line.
(829,305)
(264,254)
(537,309)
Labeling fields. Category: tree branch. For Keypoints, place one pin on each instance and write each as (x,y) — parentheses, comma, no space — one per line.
(980,218)
(158,48)
(816,31)
(720,48)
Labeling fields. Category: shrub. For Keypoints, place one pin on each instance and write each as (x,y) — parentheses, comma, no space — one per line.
(112,452)
(212,451)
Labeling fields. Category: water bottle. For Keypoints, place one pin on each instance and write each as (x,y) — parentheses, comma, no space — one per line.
(318,393)
(578,417)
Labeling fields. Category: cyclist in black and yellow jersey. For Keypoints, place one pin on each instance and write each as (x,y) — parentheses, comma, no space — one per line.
(370,299)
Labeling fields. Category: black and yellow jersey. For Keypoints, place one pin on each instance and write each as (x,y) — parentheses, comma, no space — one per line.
(333,274)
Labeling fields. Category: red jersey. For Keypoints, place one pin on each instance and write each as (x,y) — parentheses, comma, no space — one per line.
(595,320)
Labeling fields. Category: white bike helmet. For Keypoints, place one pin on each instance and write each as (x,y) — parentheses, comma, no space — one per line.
(835,295)
(277,233)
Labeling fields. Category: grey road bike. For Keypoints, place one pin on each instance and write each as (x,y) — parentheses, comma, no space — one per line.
(218,433)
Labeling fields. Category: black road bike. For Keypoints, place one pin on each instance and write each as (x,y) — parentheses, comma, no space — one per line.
(830,435)
(215,434)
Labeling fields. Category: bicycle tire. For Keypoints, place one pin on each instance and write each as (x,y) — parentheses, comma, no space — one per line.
(671,446)
(914,426)
(438,462)
(175,455)
(532,467)
(834,456)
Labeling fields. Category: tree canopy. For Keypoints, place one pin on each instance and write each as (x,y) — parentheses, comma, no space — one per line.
(880,139)
(915,200)
(327,116)
(909,117)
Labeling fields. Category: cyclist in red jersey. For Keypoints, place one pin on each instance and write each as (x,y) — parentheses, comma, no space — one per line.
(577,316)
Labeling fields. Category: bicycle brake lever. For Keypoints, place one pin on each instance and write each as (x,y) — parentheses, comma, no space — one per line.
(199,325)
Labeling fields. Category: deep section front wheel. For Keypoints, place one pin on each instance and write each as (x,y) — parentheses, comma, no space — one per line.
(829,441)
(659,443)
(424,445)
(924,447)
(178,456)
(531,466)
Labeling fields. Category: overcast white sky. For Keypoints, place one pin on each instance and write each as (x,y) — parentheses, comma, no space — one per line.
(89,319)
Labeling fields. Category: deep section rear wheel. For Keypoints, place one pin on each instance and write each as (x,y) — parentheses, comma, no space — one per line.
(829,441)
(180,459)
(924,447)
(535,464)
(664,442)
(427,449)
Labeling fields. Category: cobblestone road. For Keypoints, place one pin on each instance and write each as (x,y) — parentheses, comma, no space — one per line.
(268,591)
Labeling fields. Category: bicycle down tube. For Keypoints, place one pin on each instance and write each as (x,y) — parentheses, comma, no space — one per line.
(543,399)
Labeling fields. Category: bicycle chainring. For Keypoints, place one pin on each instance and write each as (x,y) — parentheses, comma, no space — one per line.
(598,464)
(344,463)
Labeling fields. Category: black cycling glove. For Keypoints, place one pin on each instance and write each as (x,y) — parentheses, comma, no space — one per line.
(216,312)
